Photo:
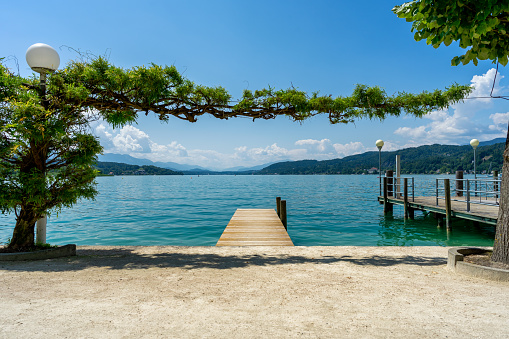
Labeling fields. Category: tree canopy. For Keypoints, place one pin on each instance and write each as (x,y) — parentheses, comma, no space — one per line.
(119,95)
(481,26)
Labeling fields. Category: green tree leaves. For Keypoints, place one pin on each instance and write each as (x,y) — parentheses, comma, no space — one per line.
(481,26)
(119,95)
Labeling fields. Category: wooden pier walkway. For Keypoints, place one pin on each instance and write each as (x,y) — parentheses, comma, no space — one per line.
(255,227)
(480,213)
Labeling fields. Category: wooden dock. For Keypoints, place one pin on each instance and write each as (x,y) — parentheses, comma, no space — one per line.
(255,227)
(487,214)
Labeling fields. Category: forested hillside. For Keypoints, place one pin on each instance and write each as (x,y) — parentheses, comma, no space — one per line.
(417,160)
(116,168)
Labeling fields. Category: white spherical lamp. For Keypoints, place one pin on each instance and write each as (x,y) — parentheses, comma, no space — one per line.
(379,144)
(474,143)
(42,58)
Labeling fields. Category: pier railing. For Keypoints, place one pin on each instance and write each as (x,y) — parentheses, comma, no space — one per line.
(404,187)
(481,191)
(398,187)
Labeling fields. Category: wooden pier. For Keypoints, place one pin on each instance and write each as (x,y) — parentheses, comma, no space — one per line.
(478,213)
(255,227)
(481,208)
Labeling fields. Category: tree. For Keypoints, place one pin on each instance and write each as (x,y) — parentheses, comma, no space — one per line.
(483,27)
(47,151)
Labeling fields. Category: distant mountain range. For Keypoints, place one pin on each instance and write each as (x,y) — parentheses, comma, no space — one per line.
(423,159)
(491,142)
(415,160)
(127,159)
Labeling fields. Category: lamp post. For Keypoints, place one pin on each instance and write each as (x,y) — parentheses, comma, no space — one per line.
(380,143)
(42,59)
(474,143)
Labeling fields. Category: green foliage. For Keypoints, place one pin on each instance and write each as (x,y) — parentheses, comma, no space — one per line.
(118,95)
(41,246)
(416,160)
(45,152)
(125,169)
(481,25)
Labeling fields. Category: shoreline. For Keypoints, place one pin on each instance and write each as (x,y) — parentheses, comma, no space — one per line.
(205,291)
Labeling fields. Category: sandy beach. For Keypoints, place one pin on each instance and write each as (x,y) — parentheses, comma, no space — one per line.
(249,292)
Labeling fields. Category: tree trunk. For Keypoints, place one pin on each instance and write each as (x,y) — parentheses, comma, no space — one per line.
(501,245)
(24,231)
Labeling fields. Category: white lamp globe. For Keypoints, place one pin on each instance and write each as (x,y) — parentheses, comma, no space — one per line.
(42,58)
(474,143)
(379,144)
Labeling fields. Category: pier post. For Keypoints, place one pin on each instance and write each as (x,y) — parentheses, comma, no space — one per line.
(405,198)
(440,219)
(447,188)
(390,183)
(278,207)
(387,205)
(283,214)
(459,183)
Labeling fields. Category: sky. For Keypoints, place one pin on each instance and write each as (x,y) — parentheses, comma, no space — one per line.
(325,46)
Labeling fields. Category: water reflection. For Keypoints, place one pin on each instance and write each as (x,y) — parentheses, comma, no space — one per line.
(424,231)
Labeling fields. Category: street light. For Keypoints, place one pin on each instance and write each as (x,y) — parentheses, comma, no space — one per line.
(474,143)
(42,59)
(380,143)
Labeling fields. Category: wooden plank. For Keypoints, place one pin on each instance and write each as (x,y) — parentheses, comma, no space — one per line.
(255,227)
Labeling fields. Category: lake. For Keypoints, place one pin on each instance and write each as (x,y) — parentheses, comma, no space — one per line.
(325,210)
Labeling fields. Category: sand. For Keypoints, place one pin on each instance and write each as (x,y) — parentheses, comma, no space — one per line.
(250,292)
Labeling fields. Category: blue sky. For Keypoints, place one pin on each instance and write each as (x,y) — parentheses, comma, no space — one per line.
(326,46)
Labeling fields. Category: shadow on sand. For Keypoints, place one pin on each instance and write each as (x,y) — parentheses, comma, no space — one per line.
(127,258)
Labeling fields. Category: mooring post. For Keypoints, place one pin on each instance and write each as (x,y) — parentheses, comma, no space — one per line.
(405,198)
(447,188)
(459,183)
(390,183)
(387,205)
(283,214)
(278,207)
(398,177)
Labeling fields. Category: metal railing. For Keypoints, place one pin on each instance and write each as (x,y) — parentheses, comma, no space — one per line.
(396,187)
(481,191)
(401,190)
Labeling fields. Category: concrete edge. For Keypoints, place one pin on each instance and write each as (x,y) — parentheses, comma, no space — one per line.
(51,253)
(455,262)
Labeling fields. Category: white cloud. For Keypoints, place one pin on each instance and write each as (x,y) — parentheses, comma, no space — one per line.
(500,121)
(135,142)
(459,122)
(351,148)
(316,146)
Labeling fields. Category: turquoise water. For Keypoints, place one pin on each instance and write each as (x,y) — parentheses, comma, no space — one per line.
(332,210)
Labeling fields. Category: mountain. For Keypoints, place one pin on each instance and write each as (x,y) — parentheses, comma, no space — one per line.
(244,169)
(192,169)
(492,142)
(127,159)
(423,159)
(116,168)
